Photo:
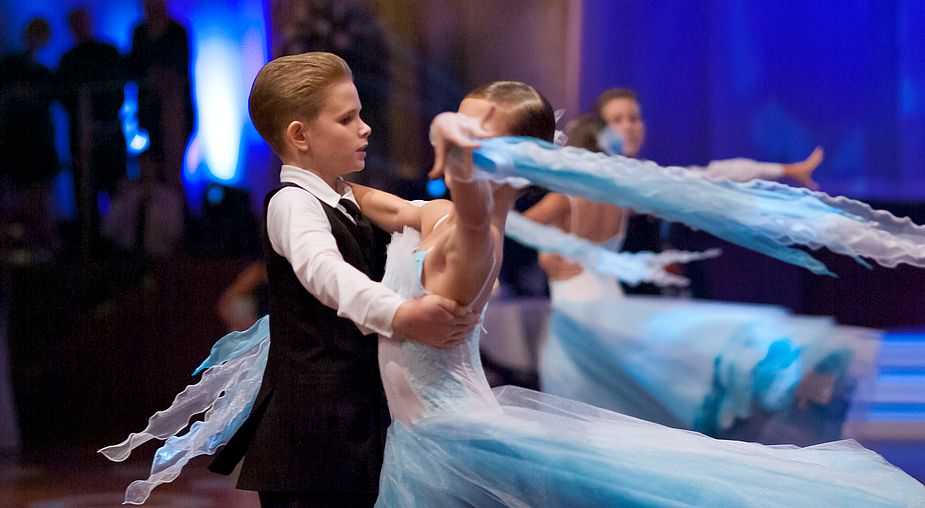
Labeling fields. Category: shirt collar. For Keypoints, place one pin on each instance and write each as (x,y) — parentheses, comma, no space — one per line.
(315,185)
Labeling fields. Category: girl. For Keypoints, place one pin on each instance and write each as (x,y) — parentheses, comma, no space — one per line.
(455,442)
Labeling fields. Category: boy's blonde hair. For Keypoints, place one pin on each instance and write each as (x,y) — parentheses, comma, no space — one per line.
(292,88)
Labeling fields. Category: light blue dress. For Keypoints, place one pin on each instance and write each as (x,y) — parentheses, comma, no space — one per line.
(456,442)
(725,369)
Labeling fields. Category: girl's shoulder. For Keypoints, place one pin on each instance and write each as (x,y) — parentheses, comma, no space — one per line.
(433,211)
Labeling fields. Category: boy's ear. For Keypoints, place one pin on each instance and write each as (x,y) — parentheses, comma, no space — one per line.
(297,136)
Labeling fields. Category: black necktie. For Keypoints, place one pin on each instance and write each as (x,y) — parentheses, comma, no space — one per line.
(352,210)
(364,230)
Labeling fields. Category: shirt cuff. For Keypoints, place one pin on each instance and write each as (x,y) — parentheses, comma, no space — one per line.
(379,320)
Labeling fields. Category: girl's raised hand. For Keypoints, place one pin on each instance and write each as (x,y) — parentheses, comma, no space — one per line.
(449,129)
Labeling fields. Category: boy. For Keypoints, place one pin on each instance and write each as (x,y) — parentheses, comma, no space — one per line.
(315,436)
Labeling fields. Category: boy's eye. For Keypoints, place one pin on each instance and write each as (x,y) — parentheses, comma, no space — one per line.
(345,120)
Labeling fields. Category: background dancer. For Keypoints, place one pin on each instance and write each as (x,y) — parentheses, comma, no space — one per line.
(631,360)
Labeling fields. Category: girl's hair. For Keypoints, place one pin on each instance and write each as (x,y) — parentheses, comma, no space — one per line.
(613,93)
(583,132)
(531,113)
(292,88)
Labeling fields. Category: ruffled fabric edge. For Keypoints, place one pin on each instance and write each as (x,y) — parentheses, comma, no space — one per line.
(632,268)
(231,378)
(764,216)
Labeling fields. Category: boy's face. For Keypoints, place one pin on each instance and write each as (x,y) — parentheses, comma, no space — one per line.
(338,137)
(497,124)
(624,117)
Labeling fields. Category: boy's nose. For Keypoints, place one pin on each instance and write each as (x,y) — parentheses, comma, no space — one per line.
(365,129)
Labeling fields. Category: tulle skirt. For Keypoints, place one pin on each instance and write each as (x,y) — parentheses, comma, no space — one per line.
(547,451)
(698,365)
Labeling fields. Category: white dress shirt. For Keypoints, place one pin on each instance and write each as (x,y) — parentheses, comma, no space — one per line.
(299,231)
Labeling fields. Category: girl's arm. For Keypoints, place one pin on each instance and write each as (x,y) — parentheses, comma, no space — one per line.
(451,134)
(471,249)
(387,211)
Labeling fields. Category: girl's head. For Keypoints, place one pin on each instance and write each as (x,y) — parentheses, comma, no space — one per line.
(292,88)
(523,110)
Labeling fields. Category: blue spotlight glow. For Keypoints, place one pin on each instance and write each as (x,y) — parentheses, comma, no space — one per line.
(436,188)
(229,50)
(218,95)
(215,194)
(139,142)
(136,139)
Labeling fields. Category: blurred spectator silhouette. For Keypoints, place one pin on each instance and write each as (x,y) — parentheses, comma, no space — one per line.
(159,63)
(92,79)
(28,165)
(28,157)
(247,299)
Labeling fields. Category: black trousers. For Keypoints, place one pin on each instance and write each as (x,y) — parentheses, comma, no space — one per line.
(315,500)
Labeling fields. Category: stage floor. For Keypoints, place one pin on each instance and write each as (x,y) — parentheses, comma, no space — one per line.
(84,479)
(87,372)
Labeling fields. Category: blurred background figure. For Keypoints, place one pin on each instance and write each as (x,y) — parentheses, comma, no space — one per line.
(247,299)
(159,62)
(27,149)
(620,109)
(92,80)
(28,165)
(351,32)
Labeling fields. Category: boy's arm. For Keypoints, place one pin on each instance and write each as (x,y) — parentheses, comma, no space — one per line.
(434,321)
(300,232)
(387,211)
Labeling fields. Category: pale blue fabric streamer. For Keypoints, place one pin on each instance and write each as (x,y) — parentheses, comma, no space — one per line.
(631,268)
(235,344)
(764,216)
(233,375)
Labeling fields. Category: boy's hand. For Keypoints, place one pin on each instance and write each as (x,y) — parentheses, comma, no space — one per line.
(434,321)
(449,129)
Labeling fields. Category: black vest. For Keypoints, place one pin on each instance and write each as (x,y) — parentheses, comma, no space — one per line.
(320,418)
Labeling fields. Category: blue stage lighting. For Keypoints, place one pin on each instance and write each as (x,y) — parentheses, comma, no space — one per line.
(436,188)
